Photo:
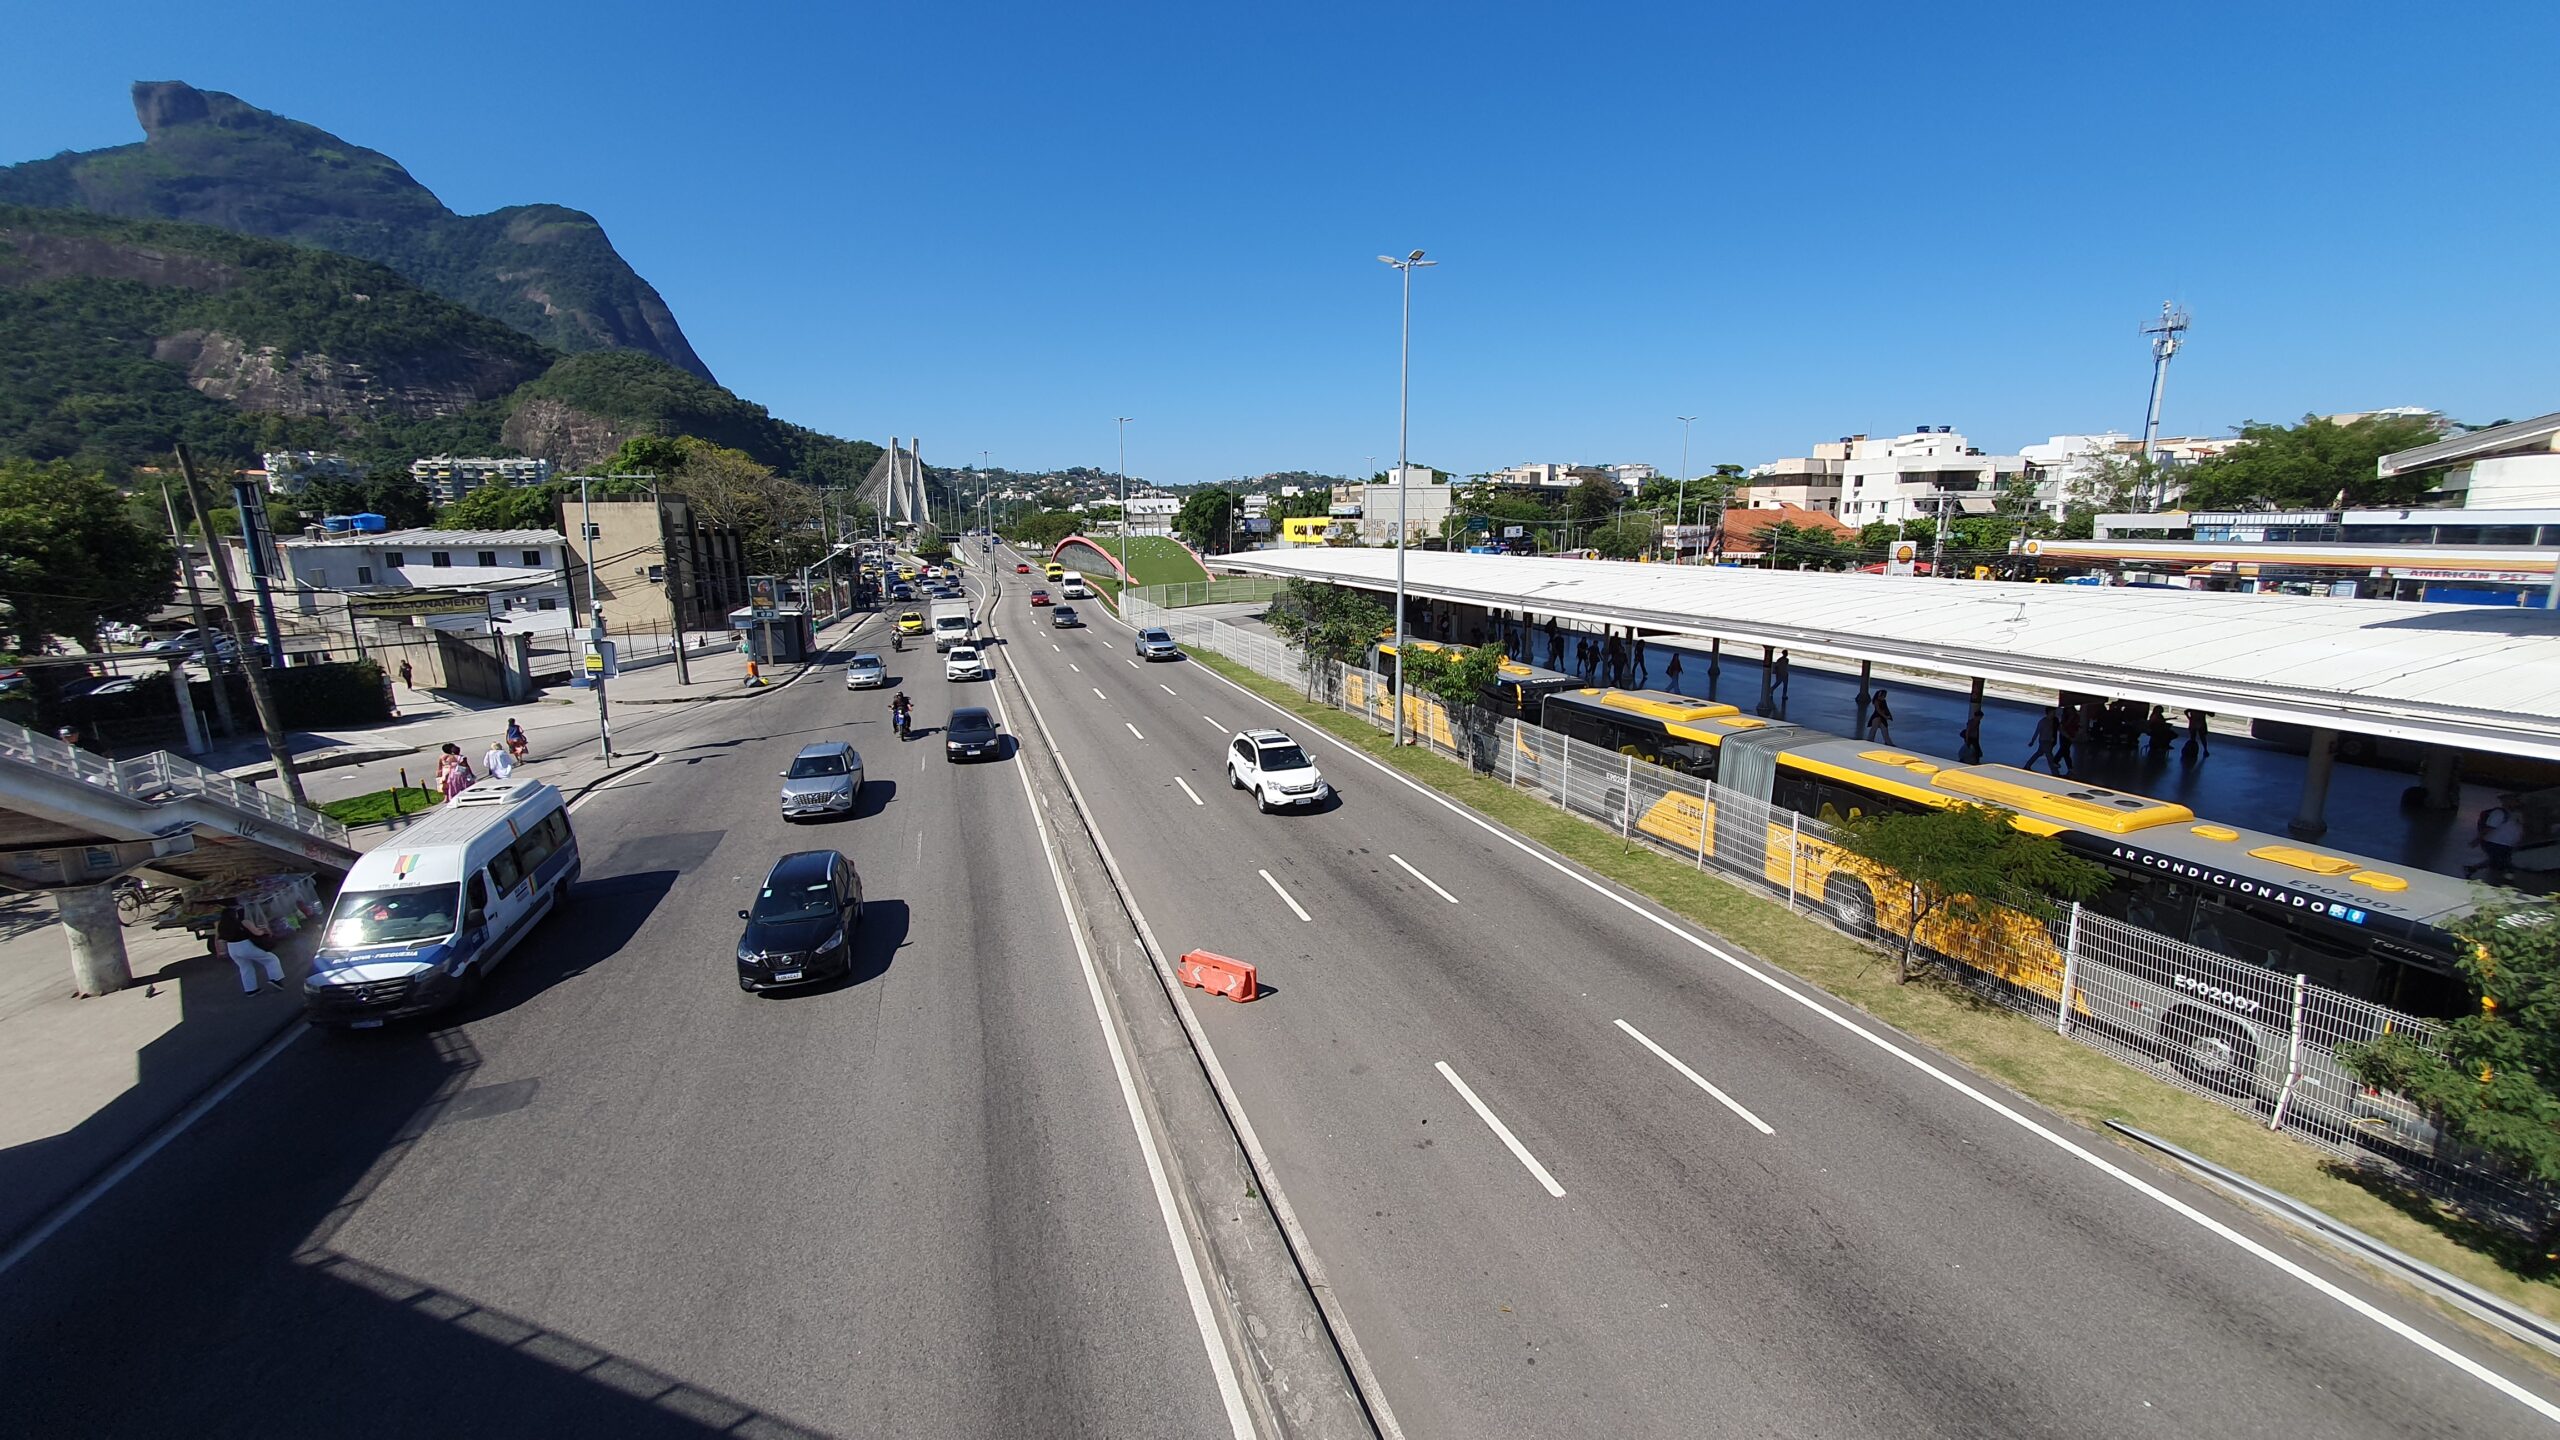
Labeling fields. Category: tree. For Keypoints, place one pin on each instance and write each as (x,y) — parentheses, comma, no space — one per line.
(1962,862)
(1626,537)
(1790,546)
(73,557)
(775,519)
(1325,622)
(2492,1079)
(931,546)
(1457,676)
(1593,497)
(1205,517)
(1044,529)
(2312,466)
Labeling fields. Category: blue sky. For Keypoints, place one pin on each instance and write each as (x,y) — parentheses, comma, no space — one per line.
(1000,226)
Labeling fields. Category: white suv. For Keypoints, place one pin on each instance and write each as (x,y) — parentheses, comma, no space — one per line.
(1272,766)
(964,663)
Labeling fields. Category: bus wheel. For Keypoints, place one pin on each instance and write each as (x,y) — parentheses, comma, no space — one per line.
(1849,903)
(2210,1051)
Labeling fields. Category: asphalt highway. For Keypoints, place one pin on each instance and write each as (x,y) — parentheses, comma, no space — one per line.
(1574,1169)
(616,1196)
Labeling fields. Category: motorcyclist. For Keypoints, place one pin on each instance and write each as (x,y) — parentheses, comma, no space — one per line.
(901,711)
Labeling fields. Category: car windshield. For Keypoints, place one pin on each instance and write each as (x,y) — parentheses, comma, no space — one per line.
(1284,757)
(810,767)
(970,722)
(394,917)
(1154,636)
(795,901)
(858,662)
(963,653)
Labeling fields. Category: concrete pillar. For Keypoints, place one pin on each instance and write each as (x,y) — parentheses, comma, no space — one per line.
(98,964)
(1767,655)
(1866,674)
(2440,778)
(1715,660)
(1971,752)
(187,717)
(2311,821)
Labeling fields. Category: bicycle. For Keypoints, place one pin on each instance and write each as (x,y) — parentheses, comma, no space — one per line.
(137,902)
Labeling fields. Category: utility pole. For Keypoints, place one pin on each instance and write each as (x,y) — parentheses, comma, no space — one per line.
(2167,334)
(1124,501)
(1404,393)
(195,603)
(1680,507)
(595,619)
(259,695)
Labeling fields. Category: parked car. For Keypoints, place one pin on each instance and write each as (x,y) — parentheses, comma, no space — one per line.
(1156,643)
(1040,597)
(824,779)
(971,735)
(965,663)
(803,924)
(185,642)
(865,671)
(1275,769)
(1065,618)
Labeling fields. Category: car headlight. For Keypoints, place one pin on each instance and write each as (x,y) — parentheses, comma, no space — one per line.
(832,942)
(747,956)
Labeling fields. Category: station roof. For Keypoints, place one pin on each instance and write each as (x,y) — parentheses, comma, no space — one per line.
(2470,676)
(2520,437)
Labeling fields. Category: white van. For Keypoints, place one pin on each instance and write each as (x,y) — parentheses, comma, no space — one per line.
(426,914)
(1071,586)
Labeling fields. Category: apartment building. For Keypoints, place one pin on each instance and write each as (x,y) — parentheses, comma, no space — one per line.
(449,478)
(476,580)
(658,564)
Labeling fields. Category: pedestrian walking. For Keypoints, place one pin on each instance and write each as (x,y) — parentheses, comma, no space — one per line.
(1644,668)
(1969,752)
(2197,743)
(1880,718)
(2160,732)
(498,762)
(453,771)
(2048,737)
(1555,649)
(407,680)
(1671,673)
(2065,741)
(1778,677)
(244,944)
(2499,831)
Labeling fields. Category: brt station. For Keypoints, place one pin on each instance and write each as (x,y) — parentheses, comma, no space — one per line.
(2434,709)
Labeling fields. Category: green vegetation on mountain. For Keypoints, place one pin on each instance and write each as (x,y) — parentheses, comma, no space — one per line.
(210,158)
(646,396)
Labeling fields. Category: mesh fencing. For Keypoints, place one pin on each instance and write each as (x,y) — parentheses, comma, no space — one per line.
(2254,1039)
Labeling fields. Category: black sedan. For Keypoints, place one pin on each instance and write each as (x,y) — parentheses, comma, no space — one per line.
(803,925)
(1066,618)
(971,735)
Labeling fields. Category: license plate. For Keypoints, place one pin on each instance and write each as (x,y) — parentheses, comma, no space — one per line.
(364,1024)
(782,975)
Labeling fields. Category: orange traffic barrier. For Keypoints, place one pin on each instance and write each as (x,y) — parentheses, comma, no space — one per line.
(1218,975)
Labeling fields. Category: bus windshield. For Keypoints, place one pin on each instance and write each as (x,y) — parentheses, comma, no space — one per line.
(394,917)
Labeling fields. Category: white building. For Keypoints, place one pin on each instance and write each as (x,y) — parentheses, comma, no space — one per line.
(1920,474)
(448,478)
(1807,482)
(288,471)
(475,580)
(2061,465)
(1553,476)
(1151,514)
(1632,474)
(2513,466)
(1425,506)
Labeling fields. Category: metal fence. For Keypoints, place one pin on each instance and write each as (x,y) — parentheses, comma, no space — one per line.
(1220,590)
(2250,1038)
(161,777)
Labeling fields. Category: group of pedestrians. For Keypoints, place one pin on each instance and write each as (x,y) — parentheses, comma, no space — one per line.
(2061,729)
(1609,659)
(453,768)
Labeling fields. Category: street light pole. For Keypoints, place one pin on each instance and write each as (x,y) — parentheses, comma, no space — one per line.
(1404,391)
(1124,502)
(595,619)
(1680,507)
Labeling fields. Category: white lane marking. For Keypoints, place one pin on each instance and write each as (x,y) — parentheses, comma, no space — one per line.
(1134,665)
(1187,790)
(88,1194)
(1054,646)
(1697,1079)
(2393,1323)
(1075,667)
(920,770)
(1169,691)
(1285,897)
(1133,730)
(1519,1151)
(616,780)
(1239,1419)
(1098,695)
(1213,722)
(1425,879)
(1364,1374)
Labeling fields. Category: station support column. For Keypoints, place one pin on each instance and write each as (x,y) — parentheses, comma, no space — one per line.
(2311,821)
(1768,654)
(98,963)
(1866,676)
(2440,778)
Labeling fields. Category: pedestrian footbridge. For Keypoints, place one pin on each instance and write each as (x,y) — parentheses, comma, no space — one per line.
(71,823)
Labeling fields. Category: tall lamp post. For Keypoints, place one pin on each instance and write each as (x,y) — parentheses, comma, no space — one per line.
(1124,501)
(1680,507)
(1404,391)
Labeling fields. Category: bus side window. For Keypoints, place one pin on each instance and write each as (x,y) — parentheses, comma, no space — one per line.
(504,871)
(557,827)
(475,901)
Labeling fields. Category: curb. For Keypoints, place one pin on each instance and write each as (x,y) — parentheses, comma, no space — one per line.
(744,692)
(623,761)
(2514,1320)
(339,758)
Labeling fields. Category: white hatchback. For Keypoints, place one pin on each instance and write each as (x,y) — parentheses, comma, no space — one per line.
(965,663)
(1271,765)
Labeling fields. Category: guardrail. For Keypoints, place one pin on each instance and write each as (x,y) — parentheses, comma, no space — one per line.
(2245,1036)
(160,777)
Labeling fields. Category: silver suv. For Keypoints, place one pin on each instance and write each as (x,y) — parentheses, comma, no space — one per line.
(1279,774)
(1156,643)
(824,779)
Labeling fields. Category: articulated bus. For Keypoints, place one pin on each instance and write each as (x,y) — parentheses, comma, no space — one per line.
(1517,691)
(2365,927)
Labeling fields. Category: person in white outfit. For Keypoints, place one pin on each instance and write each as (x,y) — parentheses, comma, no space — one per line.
(498,763)
(244,941)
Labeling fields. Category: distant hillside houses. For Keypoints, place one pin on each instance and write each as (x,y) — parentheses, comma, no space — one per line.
(449,478)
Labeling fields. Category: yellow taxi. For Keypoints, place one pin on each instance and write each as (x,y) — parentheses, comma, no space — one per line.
(907,573)
(911,622)
(1055,570)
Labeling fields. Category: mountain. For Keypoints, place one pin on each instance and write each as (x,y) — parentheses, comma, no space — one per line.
(213,159)
(119,337)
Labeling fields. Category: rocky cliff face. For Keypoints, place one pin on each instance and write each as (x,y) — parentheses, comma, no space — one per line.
(563,434)
(262,377)
(214,159)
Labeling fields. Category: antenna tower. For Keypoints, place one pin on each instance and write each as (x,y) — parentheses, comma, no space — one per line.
(2167,334)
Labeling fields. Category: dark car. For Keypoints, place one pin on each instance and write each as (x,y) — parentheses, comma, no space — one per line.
(802,927)
(1065,617)
(971,735)
(902,591)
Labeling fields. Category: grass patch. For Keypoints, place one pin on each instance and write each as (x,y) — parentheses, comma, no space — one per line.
(392,804)
(2012,1048)
(1153,560)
